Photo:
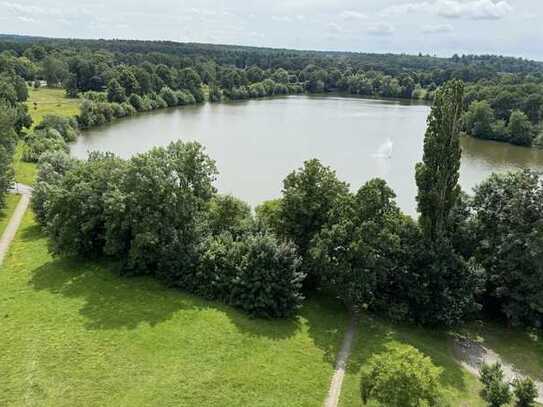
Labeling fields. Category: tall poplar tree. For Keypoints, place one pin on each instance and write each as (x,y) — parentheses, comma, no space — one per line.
(437,175)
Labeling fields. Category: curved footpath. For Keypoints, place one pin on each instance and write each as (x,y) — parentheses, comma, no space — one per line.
(11,229)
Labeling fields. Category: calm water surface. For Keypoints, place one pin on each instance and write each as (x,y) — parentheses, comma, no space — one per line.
(257,143)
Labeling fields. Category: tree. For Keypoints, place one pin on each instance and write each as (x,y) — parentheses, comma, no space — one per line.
(156,214)
(520,129)
(229,214)
(128,81)
(479,120)
(8,117)
(533,107)
(437,175)
(115,92)
(360,254)
(400,377)
(54,70)
(280,76)
(255,74)
(495,392)
(509,228)
(309,195)
(525,392)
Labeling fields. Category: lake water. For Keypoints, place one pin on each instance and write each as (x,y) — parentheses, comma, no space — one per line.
(257,143)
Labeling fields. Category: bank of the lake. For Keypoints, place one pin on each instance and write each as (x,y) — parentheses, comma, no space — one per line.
(256,143)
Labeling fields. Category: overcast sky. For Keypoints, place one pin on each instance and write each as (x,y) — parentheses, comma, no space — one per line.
(441,27)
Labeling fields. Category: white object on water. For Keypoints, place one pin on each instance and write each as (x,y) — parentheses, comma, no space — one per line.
(385,150)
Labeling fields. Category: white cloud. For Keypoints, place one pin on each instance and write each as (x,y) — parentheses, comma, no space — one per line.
(381,29)
(437,28)
(282,19)
(15,7)
(353,15)
(26,19)
(401,9)
(334,28)
(474,9)
(478,9)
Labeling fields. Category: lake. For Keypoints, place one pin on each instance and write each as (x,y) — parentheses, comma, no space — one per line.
(257,143)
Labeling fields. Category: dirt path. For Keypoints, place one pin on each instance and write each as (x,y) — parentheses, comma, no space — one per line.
(341,364)
(16,218)
(472,355)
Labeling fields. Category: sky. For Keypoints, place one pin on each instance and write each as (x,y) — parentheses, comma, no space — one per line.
(435,27)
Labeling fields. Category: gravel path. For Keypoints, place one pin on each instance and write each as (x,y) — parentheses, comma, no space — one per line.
(16,218)
(341,364)
(472,355)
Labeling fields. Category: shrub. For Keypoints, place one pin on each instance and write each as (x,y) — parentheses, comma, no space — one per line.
(184,98)
(255,273)
(215,94)
(169,96)
(128,109)
(525,392)
(118,110)
(67,127)
(495,392)
(41,141)
(137,102)
(400,377)
(94,96)
(270,282)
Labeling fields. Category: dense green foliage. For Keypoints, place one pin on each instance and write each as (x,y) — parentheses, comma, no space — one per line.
(7,147)
(495,391)
(144,68)
(401,377)
(158,213)
(525,392)
(508,224)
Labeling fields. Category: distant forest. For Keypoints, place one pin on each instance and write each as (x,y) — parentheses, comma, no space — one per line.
(503,99)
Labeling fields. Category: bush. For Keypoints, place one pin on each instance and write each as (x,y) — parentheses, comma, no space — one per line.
(137,102)
(400,377)
(184,98)
(525,392)
(41,141)
(128,109)
(118,110)
(270,282)
(169,96)
(256,274)
(495,392)
(67,127)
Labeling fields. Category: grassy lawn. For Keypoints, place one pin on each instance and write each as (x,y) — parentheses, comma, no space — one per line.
(25,173)
(460,388)
(5,215)
(75,333)
(41,102)
(45,101)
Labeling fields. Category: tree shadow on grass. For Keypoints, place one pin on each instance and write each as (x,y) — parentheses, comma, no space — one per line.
(113,301)
(375,334)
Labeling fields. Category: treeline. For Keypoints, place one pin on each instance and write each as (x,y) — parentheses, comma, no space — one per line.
(144,68)
(159,214)
(505,110)
(14,119)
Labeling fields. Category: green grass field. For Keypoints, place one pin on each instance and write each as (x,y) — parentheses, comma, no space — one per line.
(45,101)
(11,202)
(76,333)
(41,102)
